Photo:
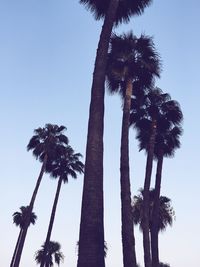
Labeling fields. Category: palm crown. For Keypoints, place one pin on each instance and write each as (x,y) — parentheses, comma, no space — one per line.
(126,8)
(157,106)
(131,58)
(167,141)
(19,218)
(66,164)
(53,253)
(46,140)
(166,212)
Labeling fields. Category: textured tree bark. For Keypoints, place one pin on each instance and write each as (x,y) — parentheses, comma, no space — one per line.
(155,222)
(147,183)
(53,213)
(91,237)
(27,222)
(128,240)
(16,248)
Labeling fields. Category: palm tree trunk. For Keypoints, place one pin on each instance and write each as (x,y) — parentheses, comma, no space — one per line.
(91,237)
(27,222)
(16,247)
(53,212)
(147,183)
(155,215)
(128,240)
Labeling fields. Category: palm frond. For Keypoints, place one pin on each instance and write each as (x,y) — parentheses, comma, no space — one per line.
(125,10)
(67,163)
(166,212)
(53,252)
(19,218)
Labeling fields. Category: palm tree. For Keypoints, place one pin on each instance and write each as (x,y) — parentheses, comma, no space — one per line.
(167,142)
(131,60)
(91,237)
(66,164)
(44,145)
(145,117)
(166,213)
(53,253)
(155,108)
(19,220)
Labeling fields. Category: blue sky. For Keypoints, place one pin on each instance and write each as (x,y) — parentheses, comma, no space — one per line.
(47,52)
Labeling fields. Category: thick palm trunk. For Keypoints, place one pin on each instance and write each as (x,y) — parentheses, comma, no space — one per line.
(27,222)
(53,212)
(147,183)
(16,248)
(155,216)
(91,238)
(128,240)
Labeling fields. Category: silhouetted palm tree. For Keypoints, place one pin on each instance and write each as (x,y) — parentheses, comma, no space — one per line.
(154,109)
(65,165)
(19,218)
(91,238)
(167,141)
(44,144)
(53,254)
(131,60)
(145,115)
(166,213)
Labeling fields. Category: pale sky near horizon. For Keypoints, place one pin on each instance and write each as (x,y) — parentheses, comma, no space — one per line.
(47,52)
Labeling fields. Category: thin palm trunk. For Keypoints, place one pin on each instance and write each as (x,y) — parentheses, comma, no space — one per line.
(53,213)
(16,247)
(128,240)
(155,216)
(91,239)
(147,183)
(27,222)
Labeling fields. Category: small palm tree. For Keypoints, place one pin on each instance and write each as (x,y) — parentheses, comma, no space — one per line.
(91,237)
(19,218)
(53,254)
(44,145)
(166,212)
(131,61)
(65,165)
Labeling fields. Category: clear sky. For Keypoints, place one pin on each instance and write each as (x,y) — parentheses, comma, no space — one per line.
(47,52)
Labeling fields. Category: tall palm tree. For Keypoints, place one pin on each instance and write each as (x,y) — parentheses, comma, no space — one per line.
(44,145)
(155,113)
(65,165)
(91,237)
(131,60)
(53,254)
(145,115)
(19,218)
(167,142)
